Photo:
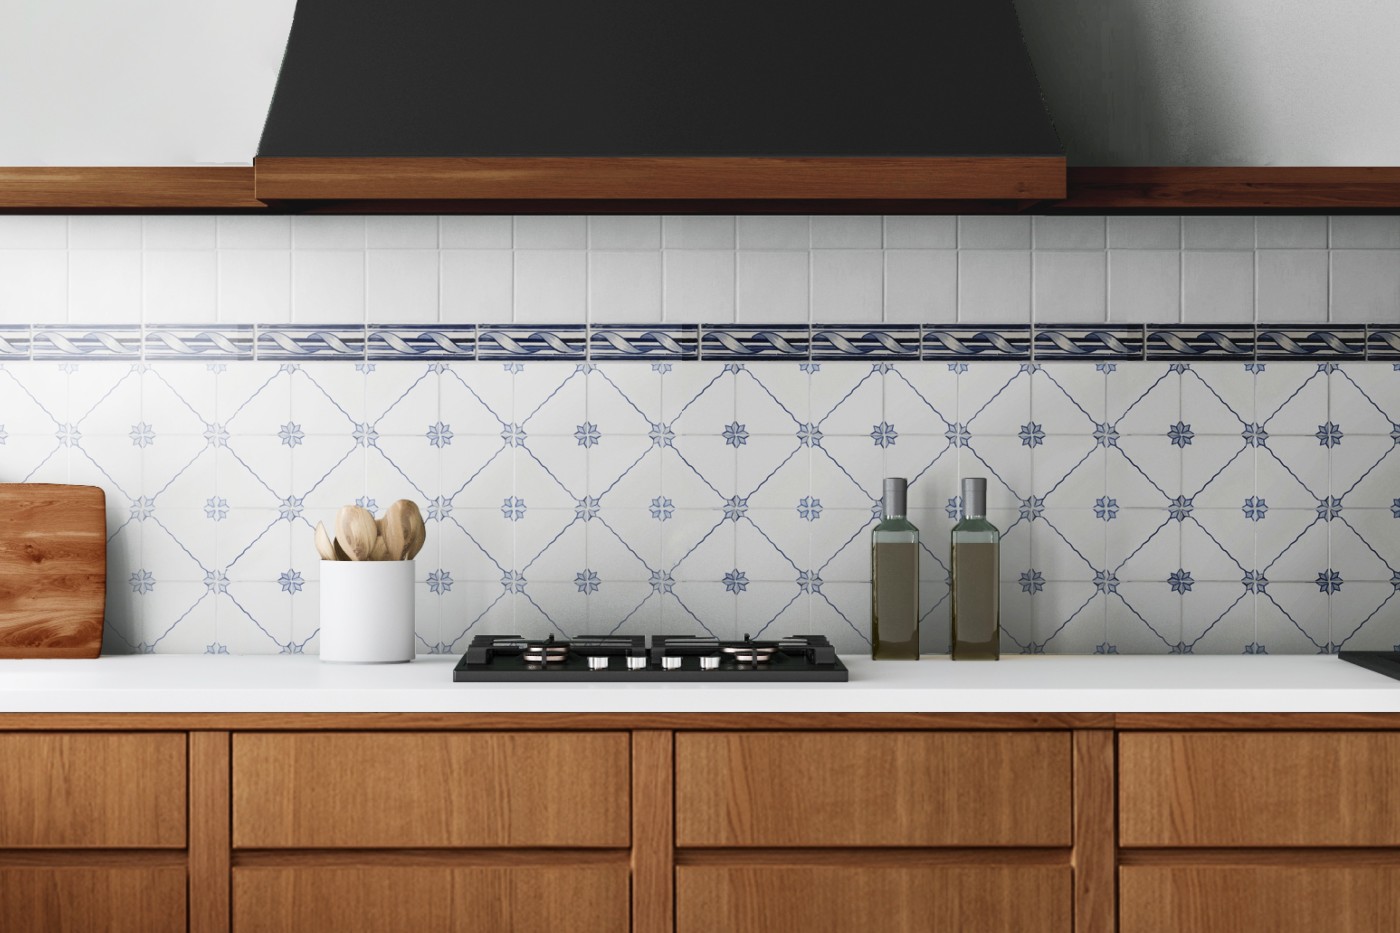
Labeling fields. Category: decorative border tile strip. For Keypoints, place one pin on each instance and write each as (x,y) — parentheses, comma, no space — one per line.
(196,342)
(14,341)
(330,342)
(1216,343)
(421,342)
(1383,342)
(1092,342)
(844,342)
(1318,342)
(994,342)
(101,342)
(755,342)
(508,342)
(642,342)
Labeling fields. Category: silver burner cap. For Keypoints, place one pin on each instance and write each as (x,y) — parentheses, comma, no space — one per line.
(671,663)
(636,662)
(597,662)
(709,662)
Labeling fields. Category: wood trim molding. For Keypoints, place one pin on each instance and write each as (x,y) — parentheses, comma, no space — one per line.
(680,178)
(210,819)
(653,835)
(128,188)
(1177,188)
(1095,829)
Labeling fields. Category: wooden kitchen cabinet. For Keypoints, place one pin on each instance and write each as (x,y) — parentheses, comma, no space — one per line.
(62,899)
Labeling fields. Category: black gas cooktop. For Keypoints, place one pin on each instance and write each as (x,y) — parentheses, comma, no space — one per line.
(1382,662)
(655,659)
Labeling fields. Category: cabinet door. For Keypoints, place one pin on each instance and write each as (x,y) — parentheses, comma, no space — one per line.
(414,790)
(88,789)
(884,898)
(436,898)
(1313,898)
(1202,789)
(873,789)
(86,900)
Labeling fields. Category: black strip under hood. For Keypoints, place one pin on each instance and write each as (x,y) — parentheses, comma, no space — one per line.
(617,78)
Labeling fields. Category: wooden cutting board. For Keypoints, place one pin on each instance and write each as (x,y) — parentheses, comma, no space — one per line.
(53,570)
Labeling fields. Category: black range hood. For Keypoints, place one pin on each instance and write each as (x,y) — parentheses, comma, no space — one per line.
(657,99)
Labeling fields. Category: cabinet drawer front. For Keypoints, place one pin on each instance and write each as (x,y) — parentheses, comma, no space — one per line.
(90,789)
(443,899)
(841,898)
(873,789)
(1259,789)
(1259,899)
(82,900)
(335,790)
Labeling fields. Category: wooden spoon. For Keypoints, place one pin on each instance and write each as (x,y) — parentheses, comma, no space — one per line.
(324,546)
(417,532)
(397,528)
(355,531)
(380,551)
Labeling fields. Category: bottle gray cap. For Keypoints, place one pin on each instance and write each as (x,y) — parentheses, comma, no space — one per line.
(896,496)
(974,496)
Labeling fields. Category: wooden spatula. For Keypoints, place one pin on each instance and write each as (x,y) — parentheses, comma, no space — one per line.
(355,531)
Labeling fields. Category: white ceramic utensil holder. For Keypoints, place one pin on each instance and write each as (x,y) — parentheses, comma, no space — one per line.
(367,611)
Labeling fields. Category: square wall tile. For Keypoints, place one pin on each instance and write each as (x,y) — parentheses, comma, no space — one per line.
(913,232)
(1144,286)
(921,286)
(33,231)
(465,232)
(1070,232)
(550,285)
(328,286)
(683,232)
(477,284)
(407,232)
(993,232)
(777,232)
(1366,286)
(1226,232)
(33,285)
(1300,232)
(624,287)
(402,285)
(994,286)
(847,285)
(1217,286)
(174,231)
(104,286)
(847,233)
(180,285)
(1071,286)
(1133,232)
(255,286)
(237,231)
(1292,285)
(620,231)
(328,231)
(699,286)
(551,232)
(1366,232)
(772,286)
(104,231)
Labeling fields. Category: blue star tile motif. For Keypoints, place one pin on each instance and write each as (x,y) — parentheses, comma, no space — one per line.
(736,434)
(142,581)
(958,435)
(1105,435)
(68,435)
(1105,581)
(662,435)
(1106,508)
(957,369)
(1180,434)
(1329,508)
(290,508)
(513,581)
(142,508)
(1329,581)
(662,508)
(142,435)
(586,509)
(1105,648)
(587,434)
(216,581)
(809,581)
(661,368)
(1106,367)
(513,508)
(1395,579)
(1254,435)
(291,581)
(661,581)
(1395,508)
(513,435)
(1032,581)
(954,507)
(1255,508)
(1032,435)
(736,581)
(1255,648)
(365,502)
(439,581)
(1180,508)
(1031,508)
(291,434)
(810,508)
(809,435)
(735,508)
(1254,581)
(884,434)
(439,434)
(439,508)
(216,508)
(1329,434)
(1181,581)
(586,581)
(215,435)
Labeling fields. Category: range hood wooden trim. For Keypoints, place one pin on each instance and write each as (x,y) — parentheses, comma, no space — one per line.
(701,179)
(1090,190)
(44,188)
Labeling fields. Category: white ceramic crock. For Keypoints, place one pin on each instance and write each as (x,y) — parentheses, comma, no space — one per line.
(367,611)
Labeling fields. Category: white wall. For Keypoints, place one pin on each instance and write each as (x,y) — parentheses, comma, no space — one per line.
(1257,82)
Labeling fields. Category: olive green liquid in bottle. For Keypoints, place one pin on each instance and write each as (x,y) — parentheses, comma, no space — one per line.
(894,580)
(976,579)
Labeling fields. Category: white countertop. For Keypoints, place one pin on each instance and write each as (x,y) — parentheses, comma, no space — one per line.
(1120,684)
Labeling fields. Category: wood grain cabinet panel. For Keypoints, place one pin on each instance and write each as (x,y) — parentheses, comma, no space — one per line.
(1313,898)
(1201,789)
(87,900)
(441,899)
(873,789)
(844,898)
(385,789)
(92,790)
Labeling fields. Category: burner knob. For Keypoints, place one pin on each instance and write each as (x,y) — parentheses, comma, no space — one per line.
(709,662)
(597,662)
(636,662)
(671,663)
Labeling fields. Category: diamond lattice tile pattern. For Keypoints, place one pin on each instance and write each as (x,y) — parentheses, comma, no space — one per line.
(1146,507)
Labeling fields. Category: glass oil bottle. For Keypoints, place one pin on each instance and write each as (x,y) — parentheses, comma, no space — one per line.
(976,585)
(894,579)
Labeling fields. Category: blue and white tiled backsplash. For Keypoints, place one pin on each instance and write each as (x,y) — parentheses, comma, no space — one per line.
(1223,481)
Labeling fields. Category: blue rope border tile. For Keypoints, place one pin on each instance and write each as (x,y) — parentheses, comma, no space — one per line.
(515,342)
(328,342)
(870,342)
(198,342)
(644,342)
(988,342)
(421,342)
(1170,342)
(1088,342)
(755,342)
(1309,342)
(76,342)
